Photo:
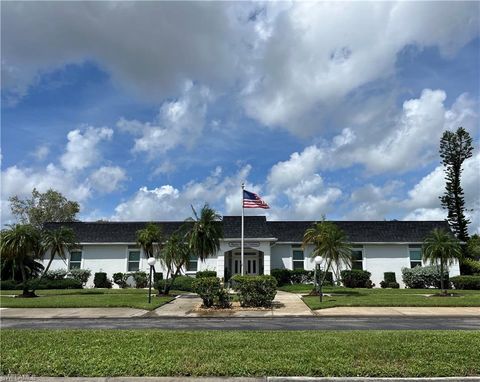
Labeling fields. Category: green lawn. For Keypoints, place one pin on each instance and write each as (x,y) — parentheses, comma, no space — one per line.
(223,353)
(85,298)
(391,297)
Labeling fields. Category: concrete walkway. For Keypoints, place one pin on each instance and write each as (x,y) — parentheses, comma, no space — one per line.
(71,312)
(399,312)
(284,304)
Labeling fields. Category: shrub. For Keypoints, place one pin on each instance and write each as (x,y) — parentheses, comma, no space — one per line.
(100,280)
(57,274)
(81,275)
(211,292)
(466,282)
(281,275)
(141,279)
(389,281)
(328,278)
(356,278)
(205,274)
(474,265)
(44,284)
(157,276)
(183,283)
(255,291)
(301,276)
(120,279)
(423,277)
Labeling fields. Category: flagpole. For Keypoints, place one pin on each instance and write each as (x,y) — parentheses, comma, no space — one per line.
(241,245)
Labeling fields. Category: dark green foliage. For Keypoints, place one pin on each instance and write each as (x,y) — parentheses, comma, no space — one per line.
(389,281)
(327,280)
(120,279)
(157,276)
(100,280)
(455,148)
(44,284)
(81,275)
(205,233)
(466,282)
(201,274)
(183,283)
(211,292)
(356,278)
(389,277)
(11,268)
(141,279)
(255,291)
(281,275)
(423,277)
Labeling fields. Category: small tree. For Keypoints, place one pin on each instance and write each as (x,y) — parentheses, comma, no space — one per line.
(21,243)
(50,206)
(57,242)
(150,240)
(330,243)
(173,257)
(205,233)
(441,247)
(455,148)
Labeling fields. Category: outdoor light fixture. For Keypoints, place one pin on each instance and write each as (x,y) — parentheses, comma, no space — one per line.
(151,262)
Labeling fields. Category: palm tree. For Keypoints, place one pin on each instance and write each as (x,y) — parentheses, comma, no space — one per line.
(150,240)
(330,243)
(205,233)
(441,247)
(57,242)
(174,255)
(21,243)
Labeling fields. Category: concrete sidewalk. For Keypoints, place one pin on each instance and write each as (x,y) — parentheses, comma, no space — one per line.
(399,312)
(71,312)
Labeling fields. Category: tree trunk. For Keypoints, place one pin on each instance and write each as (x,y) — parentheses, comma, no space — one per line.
(43,274)
(444,291)
(25,292)
(168,286)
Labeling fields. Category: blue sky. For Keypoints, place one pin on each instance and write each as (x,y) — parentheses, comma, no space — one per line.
(138,110)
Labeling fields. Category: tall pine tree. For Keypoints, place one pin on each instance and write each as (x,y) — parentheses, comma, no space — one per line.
(455,148)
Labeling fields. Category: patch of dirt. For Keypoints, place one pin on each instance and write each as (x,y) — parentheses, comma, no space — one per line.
(235,308)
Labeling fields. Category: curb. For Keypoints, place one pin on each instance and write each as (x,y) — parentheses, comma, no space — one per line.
(27,378)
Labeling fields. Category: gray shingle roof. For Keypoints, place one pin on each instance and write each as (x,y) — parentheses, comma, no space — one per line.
(258,227)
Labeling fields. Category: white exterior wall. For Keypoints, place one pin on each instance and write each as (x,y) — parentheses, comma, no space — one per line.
(381,258)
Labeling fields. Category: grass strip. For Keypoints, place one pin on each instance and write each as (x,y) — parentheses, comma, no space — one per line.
(240,353)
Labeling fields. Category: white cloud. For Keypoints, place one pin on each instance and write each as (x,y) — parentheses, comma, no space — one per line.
(335,48)
(82,151)
(166,202)
(108,178)
(179,122)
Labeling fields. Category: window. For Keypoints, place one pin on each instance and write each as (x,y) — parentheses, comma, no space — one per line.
(133,261)
(415,255)
(298,257)
(357,258)
(192,264)
(75,260)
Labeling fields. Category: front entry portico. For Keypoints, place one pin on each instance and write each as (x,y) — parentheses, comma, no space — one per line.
(252,266)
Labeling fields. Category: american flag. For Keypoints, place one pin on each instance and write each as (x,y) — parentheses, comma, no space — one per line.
(252,200)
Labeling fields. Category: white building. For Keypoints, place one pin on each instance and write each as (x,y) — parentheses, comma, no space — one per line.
(378,246)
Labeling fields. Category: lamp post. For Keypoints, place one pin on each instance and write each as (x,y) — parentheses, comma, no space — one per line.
(151,262)
(318,261)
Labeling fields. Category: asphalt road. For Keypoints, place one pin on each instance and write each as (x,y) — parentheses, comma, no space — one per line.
(274,323)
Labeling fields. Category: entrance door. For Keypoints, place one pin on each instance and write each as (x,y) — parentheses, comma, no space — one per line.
(251,263)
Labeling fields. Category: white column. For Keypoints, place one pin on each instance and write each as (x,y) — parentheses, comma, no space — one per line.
(265,248)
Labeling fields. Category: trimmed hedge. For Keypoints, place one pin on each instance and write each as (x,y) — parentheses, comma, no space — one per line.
(255,291)
(211,292)
(57,274)
(120,279)
(183,283)
(466,282)
(356,278)
(100,280)
(44,284)
(202,274)
(297,276)
(389,281)
(141,279)
(81,275)
(423,277)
